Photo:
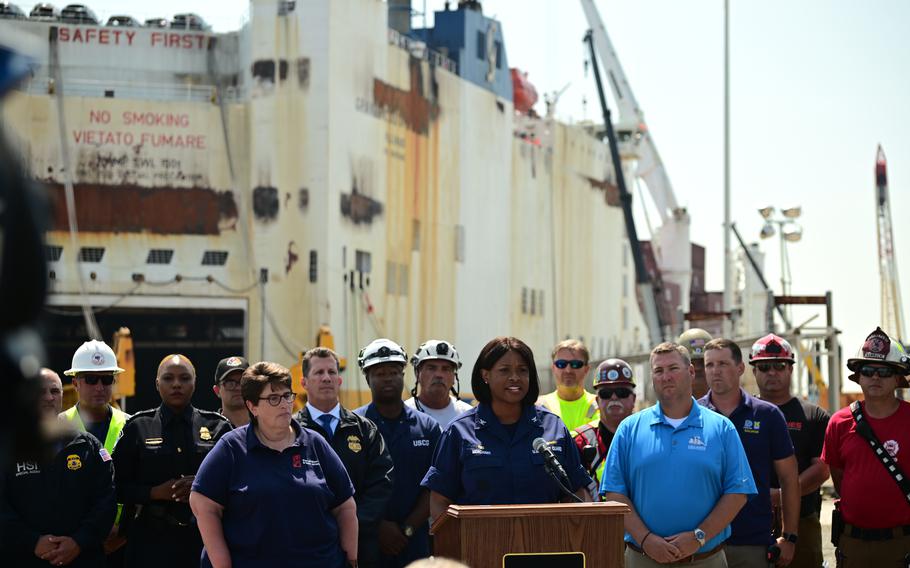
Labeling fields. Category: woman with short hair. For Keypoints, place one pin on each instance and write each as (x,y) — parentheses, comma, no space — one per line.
(485,457)
(272,493)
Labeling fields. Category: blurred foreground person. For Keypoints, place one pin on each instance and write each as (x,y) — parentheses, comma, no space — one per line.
(58,511)
(262,477)
(155,461)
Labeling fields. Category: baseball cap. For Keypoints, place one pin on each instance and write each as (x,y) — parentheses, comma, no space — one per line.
(229,364)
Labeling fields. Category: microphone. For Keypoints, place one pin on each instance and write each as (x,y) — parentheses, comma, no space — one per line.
(549,458)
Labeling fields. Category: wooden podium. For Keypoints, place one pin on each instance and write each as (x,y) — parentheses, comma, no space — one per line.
(515,536)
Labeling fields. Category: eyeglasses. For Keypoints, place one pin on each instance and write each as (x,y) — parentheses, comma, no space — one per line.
(230,384)
(574,363)
(776,365)
(106,380)
(606,394)
(276,399)
(883,372)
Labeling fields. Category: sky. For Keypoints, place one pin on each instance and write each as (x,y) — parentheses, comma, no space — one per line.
(815,86)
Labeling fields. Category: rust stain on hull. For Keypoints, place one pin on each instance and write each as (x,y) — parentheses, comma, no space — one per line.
(135,209)
(611,192)
(412,106)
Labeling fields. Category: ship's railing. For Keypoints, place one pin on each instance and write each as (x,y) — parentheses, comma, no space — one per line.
(420,50)
(82,87)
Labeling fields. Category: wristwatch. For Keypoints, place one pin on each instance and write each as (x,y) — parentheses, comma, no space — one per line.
(408,530)
(790,537)
(700,536)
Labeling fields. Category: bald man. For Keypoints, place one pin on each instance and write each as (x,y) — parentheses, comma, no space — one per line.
(155,463)
(51,402)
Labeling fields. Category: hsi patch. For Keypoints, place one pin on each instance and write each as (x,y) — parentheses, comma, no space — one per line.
(354,444)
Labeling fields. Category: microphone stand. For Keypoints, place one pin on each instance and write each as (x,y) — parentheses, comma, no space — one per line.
(559,482)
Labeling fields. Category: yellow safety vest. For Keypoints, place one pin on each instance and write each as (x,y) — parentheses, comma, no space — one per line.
(114,429)
(574,413)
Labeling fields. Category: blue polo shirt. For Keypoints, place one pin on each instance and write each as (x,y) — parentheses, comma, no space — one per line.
(481,462)
(411,440)
(675,476)
(277,505)
(763,431)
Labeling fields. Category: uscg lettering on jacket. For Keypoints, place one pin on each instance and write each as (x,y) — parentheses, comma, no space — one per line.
(27,468)
(423,442)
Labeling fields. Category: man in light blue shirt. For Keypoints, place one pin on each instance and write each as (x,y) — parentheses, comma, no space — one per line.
(682,470)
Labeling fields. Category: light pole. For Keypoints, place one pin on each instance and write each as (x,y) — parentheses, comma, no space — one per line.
(789,231)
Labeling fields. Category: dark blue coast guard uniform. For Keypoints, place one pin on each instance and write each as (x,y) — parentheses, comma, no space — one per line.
(479,461)
(411,441)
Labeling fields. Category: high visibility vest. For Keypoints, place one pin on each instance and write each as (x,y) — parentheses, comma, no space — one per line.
(114,429)
(574,413)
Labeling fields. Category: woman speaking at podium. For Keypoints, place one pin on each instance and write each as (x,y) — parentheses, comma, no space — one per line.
(485,457)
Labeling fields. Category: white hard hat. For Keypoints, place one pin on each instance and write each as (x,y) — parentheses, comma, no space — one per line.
(94,357)
(381,351)
(436,349)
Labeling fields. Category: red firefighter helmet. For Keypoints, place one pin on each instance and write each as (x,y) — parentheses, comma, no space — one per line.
(771,348)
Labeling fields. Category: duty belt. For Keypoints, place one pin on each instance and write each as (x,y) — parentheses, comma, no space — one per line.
(860,533)
(688,559)
(162,514)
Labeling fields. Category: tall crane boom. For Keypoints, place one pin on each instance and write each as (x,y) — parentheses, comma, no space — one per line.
(672,247)
(892,309)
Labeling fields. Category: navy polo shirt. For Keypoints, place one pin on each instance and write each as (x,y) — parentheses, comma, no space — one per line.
(763,431)
(277,505)
(481,462)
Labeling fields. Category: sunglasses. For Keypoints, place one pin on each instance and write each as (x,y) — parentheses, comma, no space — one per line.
(883,372)
(276,399)
(607,394)
(777,366)
(574,363)
(106,380)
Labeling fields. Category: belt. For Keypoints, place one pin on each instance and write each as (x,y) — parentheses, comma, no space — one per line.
(162,515)
(860,533)
(688,559)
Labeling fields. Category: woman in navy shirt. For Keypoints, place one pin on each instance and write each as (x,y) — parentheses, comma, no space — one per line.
(485,455)
(272,493)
